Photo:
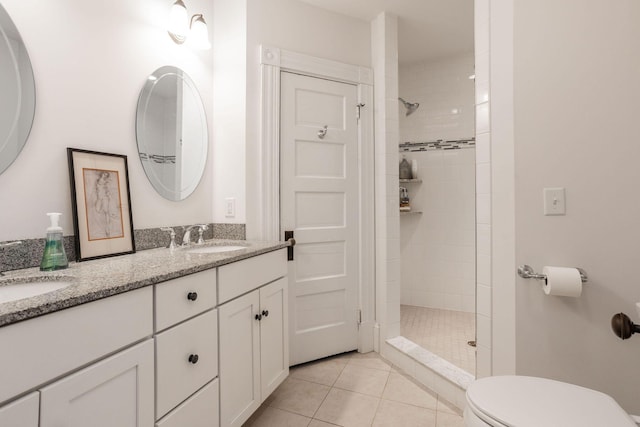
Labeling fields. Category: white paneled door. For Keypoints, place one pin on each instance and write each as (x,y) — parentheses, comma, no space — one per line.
(319,203)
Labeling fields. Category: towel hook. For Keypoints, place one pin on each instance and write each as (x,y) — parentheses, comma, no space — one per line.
(323,132)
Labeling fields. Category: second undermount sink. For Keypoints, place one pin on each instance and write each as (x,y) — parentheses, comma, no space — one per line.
(215,249)
(30,287)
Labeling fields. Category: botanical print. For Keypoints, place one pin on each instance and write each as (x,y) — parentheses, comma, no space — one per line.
(102,203)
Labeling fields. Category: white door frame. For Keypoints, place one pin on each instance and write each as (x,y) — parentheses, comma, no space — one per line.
(272,62)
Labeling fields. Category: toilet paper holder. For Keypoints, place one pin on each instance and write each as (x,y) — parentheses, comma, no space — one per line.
(526,272)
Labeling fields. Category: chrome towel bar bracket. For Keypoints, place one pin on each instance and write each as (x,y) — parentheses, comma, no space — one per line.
(526,272)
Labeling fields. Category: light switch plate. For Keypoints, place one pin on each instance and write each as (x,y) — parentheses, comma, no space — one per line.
(554,201)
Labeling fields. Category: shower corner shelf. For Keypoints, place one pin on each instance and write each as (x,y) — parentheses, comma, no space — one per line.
(403,180)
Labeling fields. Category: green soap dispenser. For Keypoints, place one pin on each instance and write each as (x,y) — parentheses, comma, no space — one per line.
(54,257)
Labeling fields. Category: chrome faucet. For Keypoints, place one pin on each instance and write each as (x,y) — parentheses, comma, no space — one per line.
(172,236)
(186,239)
(4,245)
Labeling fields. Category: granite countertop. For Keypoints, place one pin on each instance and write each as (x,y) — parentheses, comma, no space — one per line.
(93,280)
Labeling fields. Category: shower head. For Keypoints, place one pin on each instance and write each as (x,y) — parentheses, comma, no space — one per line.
(410,106)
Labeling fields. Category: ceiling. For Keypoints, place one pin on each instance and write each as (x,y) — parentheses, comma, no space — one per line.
(427,29)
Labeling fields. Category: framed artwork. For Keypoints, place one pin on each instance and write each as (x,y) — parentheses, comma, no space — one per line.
(101,201)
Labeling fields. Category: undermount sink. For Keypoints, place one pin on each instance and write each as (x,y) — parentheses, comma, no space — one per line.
(214,249)
(30,287)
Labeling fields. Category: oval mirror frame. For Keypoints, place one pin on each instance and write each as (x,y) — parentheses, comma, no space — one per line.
(18,92)
(171,132)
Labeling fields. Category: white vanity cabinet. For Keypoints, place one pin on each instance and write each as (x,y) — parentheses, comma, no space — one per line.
(187,350)
(254,352)
(23,412)
(107,391)
(201,350)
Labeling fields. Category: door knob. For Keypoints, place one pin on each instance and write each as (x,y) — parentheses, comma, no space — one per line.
(623,327)
(288,236)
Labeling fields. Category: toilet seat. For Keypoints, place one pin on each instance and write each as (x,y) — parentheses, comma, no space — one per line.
(519,401)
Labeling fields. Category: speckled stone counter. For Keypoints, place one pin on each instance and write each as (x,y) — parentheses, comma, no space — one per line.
(93,280)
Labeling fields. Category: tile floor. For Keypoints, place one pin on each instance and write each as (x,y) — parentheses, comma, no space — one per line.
(353,390)
(443,332)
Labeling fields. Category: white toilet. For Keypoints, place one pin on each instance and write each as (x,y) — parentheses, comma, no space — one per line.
(519,401)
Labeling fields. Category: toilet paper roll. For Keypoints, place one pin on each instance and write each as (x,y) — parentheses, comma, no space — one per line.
(562,281)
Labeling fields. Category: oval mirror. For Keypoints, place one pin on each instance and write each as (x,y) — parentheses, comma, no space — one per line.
(17,92)
(171,130)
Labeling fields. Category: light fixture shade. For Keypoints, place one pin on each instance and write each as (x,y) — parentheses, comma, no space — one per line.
(178,25)
(199,35)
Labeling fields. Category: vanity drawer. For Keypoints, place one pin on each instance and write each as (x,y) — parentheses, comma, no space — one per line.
(200,410)
(185,297)
(178,372)
(244,276)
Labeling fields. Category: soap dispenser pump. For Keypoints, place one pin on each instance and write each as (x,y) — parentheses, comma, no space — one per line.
(54,256)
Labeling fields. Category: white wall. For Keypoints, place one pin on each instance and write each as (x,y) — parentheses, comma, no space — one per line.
(446,96)
(437,247)
(384,42)
(90,60)
(298,27)
(229,107)
(495,230)
(576,114)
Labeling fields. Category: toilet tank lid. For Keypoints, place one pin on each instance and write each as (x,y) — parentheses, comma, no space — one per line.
(533,402)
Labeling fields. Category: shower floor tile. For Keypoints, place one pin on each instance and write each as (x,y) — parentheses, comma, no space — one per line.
(443,332)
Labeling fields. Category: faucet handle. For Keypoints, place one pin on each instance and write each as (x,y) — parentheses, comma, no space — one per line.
(201,229)
(172,234)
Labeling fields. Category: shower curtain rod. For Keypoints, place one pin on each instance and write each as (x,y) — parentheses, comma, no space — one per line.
(438,145)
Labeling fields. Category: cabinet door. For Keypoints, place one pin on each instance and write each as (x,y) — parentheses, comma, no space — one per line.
(23,412)
(117,391)
(200,410)
(274,336)
(239,359)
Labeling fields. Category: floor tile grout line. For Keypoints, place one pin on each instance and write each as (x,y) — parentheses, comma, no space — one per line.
(386,383)
(320,405)
(398,371)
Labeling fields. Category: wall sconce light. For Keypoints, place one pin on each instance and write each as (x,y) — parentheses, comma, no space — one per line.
(181,27)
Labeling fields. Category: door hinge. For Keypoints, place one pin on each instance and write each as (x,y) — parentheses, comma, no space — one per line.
(358,110)
(359,314)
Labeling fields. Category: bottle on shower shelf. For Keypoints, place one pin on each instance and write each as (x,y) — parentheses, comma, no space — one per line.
(414,168)
(405,203)
(405,169)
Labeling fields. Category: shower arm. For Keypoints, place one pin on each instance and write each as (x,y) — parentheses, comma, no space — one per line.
(410,106)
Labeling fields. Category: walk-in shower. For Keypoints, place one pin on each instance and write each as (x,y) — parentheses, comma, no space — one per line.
(437,223)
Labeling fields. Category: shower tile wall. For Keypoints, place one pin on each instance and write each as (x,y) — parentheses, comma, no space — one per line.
(446,97)
(437,247)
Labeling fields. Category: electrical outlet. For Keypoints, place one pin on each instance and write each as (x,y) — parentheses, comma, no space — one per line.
(230,207)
